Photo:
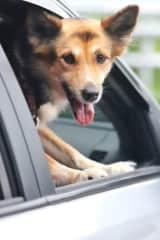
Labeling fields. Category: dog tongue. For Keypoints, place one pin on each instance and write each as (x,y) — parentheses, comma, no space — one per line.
(84,113)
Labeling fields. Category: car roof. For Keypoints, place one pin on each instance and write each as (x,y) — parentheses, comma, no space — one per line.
(51,5)
(47,4)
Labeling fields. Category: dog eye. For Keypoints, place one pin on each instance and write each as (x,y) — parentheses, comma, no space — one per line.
(69,59)
(100,58)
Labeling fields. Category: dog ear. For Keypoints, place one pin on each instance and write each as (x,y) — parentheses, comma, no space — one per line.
(120,26)
(42,25)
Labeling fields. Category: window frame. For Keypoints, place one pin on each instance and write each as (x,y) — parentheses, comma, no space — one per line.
(31,170)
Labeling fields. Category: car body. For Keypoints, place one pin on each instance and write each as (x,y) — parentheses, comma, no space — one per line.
(127,127)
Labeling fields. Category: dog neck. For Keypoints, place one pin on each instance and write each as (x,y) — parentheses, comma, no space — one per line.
(50,110)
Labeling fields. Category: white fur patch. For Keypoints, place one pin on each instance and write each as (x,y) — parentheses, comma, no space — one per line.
(49,112)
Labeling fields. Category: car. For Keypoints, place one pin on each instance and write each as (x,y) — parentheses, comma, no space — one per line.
(126,127)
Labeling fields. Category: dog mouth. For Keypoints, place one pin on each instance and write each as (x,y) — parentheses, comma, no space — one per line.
(83,112)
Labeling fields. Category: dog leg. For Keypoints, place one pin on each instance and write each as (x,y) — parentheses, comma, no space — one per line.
(63,175)
(63,152)
(67,155)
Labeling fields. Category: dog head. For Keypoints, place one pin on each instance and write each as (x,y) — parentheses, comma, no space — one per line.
(77,54)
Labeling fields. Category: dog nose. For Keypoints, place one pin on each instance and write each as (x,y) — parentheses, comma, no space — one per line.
(90,94)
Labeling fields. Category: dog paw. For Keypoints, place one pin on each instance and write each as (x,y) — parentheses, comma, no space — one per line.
(92,173)
(105,171)
(120,167)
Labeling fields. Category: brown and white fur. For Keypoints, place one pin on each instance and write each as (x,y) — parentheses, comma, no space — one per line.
(73,57)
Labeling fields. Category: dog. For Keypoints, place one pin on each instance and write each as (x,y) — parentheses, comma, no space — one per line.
(65,61)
